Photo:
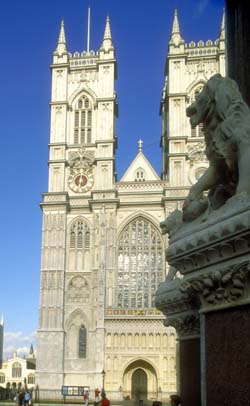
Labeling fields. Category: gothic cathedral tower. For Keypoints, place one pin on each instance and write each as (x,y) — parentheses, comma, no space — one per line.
(77,213)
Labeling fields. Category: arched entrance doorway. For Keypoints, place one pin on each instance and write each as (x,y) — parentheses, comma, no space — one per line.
(139,387)
(140,380)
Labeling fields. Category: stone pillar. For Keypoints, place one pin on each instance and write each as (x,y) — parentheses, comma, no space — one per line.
(181,313)
(238,44)
(189,355)
(215,264)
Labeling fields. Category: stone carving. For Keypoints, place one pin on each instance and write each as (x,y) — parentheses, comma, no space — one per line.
(78,290)
(226,120)
(196,153)
(217,287)
(81,159)
(171,223)
(185,325)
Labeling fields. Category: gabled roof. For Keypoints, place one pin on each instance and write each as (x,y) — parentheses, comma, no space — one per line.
(140,163)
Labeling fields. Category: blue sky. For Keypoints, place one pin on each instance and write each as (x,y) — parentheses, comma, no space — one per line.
(28,35)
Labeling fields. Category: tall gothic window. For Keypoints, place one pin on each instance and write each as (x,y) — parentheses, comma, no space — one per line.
(31,379)
(198,130)
(79,236)
(16,370)
(140,264)
(82,341)
(83,121)
(2,378)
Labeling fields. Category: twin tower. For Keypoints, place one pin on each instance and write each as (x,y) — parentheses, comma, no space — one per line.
(103,255)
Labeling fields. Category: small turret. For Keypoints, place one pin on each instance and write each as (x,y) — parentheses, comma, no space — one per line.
(61,44)
(176,38)
(107,38)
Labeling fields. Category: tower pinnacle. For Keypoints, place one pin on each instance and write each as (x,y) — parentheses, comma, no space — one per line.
(176,38)
(222,28)
(107,38)
(61,44)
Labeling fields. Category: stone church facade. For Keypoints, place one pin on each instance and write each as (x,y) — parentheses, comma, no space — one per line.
(103,255)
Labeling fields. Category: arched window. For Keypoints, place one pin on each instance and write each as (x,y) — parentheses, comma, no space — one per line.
(31,379)
(16,370)
(139,175)
(140,264)
(2,378)
(82,342)
(198,130)
(79,236)
(83,121)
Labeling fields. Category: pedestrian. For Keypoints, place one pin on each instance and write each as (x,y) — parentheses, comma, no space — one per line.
(21,397)
(104,401)
(26,398)
(175,400)
(97,397)
(86,398)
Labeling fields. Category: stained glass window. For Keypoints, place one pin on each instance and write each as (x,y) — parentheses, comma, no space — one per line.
(140,264)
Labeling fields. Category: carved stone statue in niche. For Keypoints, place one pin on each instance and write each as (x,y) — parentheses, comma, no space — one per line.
(226,121)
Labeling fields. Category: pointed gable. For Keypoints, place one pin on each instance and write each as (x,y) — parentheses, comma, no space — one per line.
(140,170)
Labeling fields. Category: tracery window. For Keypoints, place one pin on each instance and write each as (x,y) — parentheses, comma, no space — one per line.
(82,341)
(79,236)
(140,264)
(16,370)
(198,130)
(83,121)
(31,379)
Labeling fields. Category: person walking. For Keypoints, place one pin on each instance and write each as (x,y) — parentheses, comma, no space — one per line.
(86,398)
(97,397)
(104,400)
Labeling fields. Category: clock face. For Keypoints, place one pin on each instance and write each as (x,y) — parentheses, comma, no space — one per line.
(80,181)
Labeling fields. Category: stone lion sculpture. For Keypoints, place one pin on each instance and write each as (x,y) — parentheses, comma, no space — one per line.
(226,123)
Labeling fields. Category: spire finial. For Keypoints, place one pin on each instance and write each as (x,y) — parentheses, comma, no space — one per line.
(140,142)
(61,44)
(107,37)
(222,28)
(176,33)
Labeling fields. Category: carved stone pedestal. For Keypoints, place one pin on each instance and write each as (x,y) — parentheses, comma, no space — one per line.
(213,255)
(181,313)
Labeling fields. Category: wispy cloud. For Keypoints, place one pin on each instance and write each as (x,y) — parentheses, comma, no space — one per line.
(19,342)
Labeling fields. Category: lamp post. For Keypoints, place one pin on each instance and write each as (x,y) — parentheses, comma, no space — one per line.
(103,379)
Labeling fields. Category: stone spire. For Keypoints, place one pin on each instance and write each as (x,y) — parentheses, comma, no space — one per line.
(61,44)
(107,38)
(176,37)
(31,352)
(222,28)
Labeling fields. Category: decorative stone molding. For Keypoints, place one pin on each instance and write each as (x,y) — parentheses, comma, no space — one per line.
(186,325)
(179,307)
(224,235)
(220,287)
